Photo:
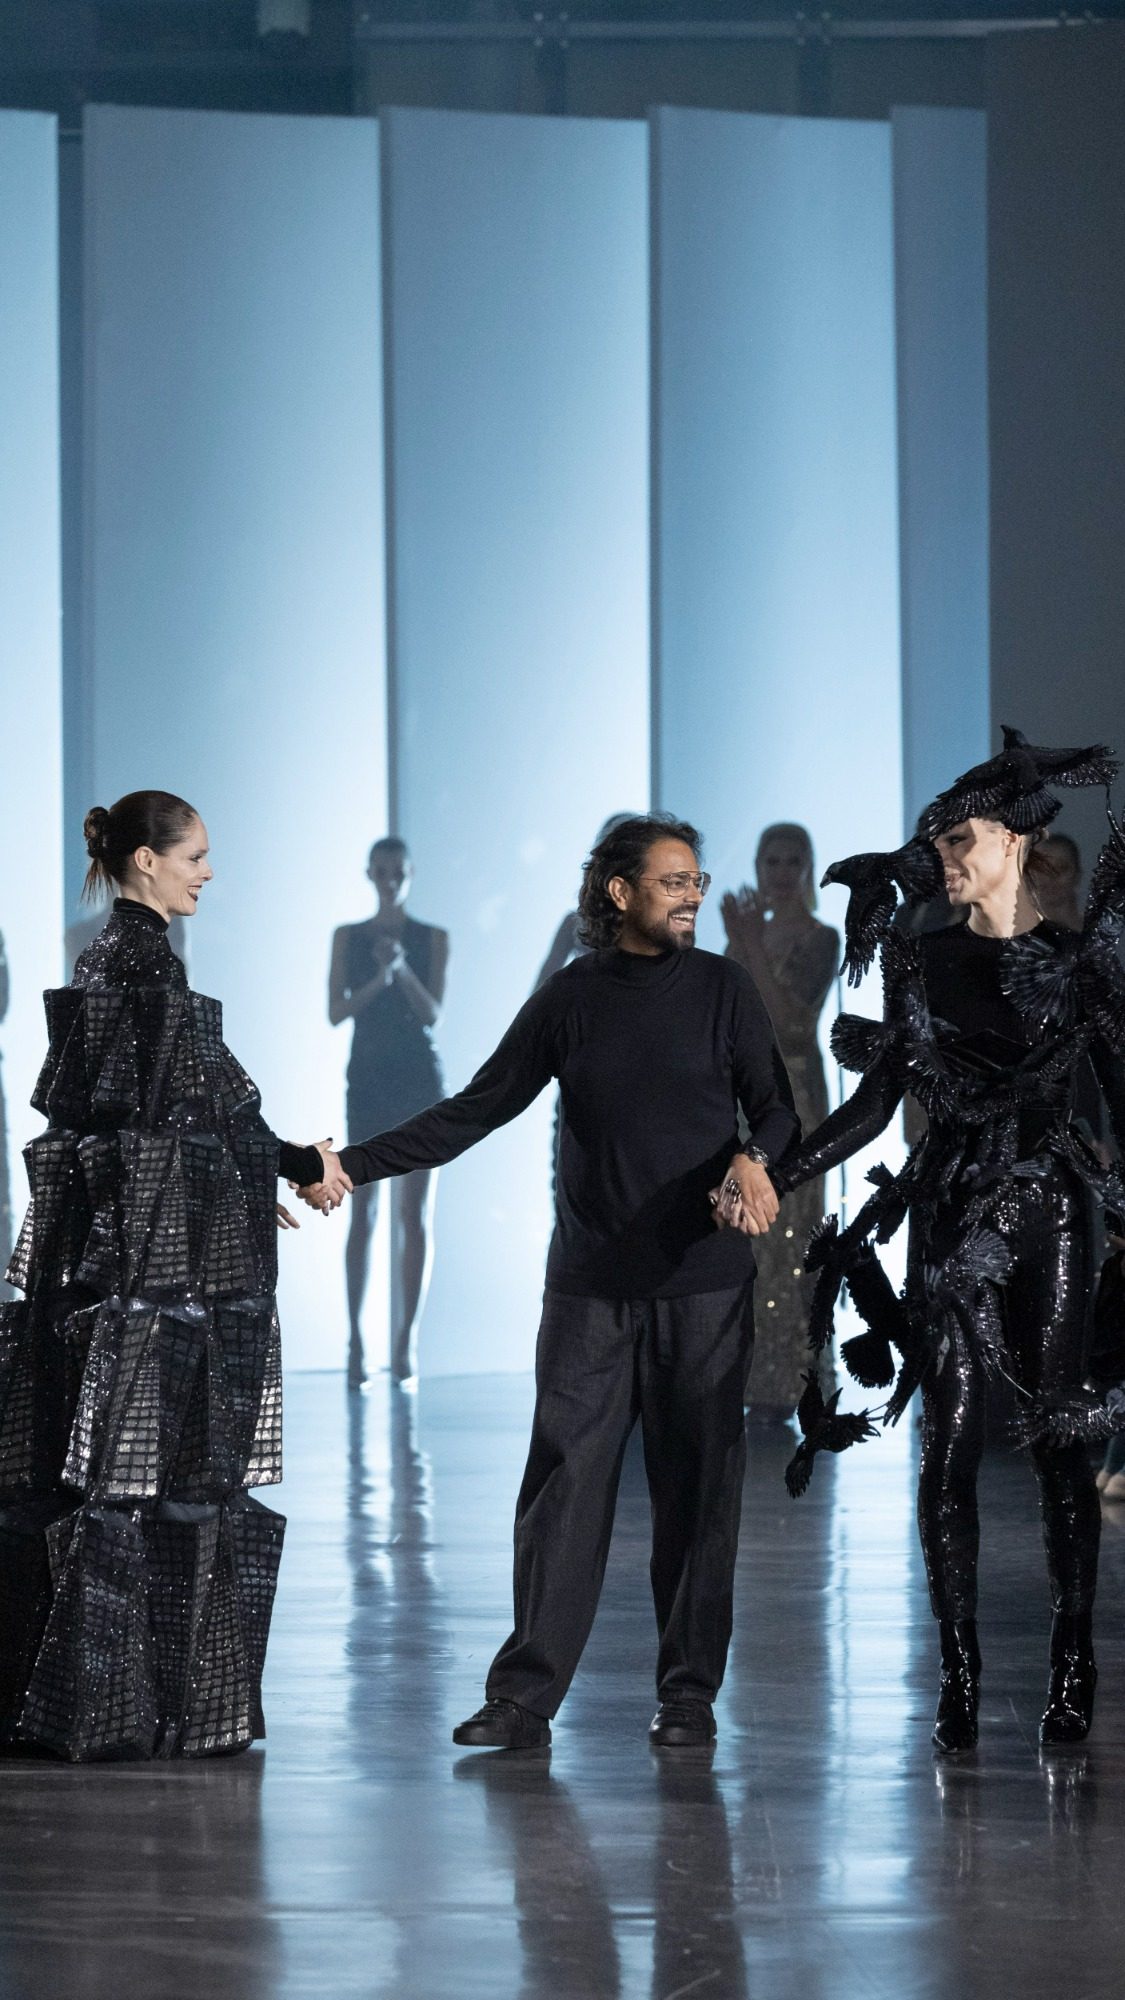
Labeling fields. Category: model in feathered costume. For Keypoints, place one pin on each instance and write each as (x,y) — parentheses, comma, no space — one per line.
(985,1024)
(140,1377)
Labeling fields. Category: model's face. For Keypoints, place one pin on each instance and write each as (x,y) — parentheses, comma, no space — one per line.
(660,909)
(783,873)
(392,874)
(172,882)
(979,860)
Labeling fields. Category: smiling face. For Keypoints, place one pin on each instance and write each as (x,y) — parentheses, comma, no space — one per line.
(783,872)
(652,918)
(980,860)
(171,882)
(389,868)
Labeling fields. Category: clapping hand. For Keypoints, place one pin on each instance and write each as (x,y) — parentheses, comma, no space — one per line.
(389,956)
(327,1193)
(744,916)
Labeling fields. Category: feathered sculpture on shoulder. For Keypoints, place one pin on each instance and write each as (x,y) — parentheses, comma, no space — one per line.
(875,881)
(1015,787)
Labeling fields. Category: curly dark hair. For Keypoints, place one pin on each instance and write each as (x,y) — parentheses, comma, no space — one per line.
(622,851)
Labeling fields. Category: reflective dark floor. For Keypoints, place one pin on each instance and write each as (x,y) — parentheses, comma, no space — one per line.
(821,1853)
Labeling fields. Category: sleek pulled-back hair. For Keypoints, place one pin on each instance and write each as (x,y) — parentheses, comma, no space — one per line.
(141,819)
(622,851)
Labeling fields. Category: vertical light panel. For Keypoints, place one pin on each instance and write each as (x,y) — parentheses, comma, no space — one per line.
(518,486)
(31,904)
(233,572)
(941,291)
(775,543)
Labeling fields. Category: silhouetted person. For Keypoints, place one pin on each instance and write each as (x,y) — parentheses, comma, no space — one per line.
(388,977)
(792,958)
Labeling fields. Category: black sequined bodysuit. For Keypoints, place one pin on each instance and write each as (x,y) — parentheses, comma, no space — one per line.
(987,1034)
(140,1377)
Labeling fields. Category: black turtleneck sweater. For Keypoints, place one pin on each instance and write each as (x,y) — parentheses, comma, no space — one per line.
(654,1058)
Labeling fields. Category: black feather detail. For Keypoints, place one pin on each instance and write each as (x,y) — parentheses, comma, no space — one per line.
(823,1428)
(1015,786)
(869,1360)
(825,1254)
(1066,1416)
(857,1042)
(1039,979)
(875,1298)
(1105,901)
(823,1246)
(874,882)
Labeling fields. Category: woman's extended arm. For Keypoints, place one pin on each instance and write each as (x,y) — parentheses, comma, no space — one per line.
(867,1112)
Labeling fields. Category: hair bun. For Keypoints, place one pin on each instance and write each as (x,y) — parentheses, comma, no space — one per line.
(95,827)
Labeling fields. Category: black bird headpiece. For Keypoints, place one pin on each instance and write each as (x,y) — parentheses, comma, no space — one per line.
(1016,787)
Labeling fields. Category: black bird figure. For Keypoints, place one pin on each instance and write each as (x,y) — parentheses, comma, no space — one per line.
(823,1428)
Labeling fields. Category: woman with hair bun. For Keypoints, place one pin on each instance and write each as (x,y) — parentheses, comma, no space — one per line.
(140,1375)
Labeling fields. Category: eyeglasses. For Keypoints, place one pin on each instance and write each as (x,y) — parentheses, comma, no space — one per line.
(678,885)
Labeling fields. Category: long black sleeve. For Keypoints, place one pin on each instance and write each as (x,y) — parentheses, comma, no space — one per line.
(511,1078)
(845,1131)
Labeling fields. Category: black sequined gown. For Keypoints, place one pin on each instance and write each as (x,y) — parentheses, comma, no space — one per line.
(987,1035)
(140,1376)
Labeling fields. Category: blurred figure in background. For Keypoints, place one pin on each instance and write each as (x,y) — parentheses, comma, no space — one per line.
(1058,885)
(388,977)
(792,958)
(565,943)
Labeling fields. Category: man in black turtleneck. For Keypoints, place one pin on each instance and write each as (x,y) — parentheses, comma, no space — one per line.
(647,1310)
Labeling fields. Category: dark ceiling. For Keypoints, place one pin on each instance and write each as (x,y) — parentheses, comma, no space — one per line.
(330,55)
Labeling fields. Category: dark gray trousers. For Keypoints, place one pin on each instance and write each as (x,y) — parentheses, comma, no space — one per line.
(679,1365)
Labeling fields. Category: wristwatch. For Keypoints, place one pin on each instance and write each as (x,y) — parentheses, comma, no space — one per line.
(756,1154)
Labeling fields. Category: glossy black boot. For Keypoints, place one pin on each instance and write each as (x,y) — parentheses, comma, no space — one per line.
(955,1724)
(1070,1690)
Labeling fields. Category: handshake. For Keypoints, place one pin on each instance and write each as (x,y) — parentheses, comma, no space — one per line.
(328,1192)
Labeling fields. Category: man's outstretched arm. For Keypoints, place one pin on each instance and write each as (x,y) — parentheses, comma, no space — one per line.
(505,1085)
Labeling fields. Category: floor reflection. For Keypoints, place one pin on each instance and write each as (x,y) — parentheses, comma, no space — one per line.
(124,1880)
(565,1922)
(697,1941)
(397,1642)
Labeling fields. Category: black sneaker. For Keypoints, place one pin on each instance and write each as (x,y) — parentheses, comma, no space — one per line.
(503,1725)
(682,1724)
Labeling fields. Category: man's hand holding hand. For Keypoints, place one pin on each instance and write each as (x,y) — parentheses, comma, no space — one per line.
(328,1193)
(747,1199)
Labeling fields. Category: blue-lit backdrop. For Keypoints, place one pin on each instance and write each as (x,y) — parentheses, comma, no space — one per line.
(517,328)
(30,696)
(234,567)
(631,379)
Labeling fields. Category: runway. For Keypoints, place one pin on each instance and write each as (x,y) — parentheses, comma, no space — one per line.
(822,1854)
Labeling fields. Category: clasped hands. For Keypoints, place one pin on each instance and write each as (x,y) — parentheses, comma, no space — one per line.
(746,1200)
(326,1194)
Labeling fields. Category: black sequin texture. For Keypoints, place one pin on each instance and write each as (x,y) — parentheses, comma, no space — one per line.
(988,1036)
(140,1376)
